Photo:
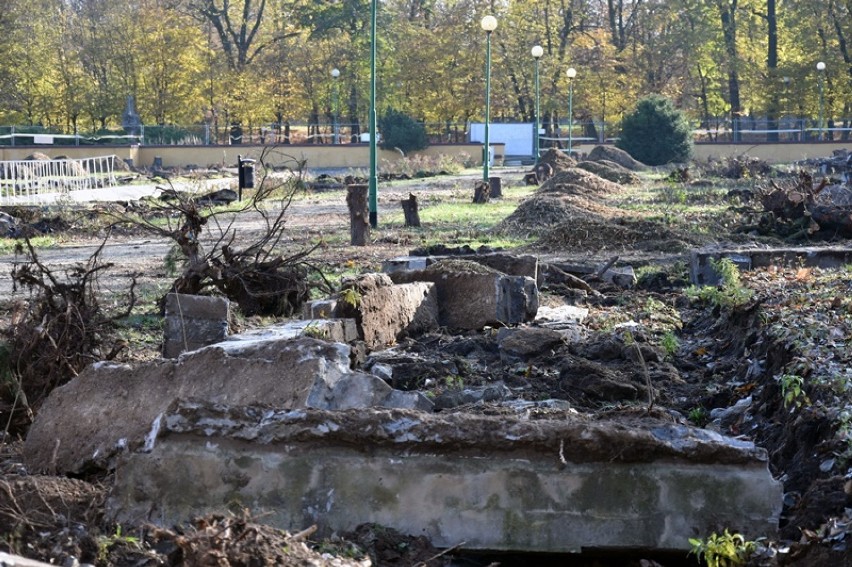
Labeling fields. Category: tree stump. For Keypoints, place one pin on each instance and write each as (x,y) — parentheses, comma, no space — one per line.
(409,209)
(481,191)
(359,225)
(496,187)
(543,172)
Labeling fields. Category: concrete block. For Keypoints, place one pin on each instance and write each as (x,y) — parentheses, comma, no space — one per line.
(320,309)
(496,483)
(473,298)
(192,322)
(387,312)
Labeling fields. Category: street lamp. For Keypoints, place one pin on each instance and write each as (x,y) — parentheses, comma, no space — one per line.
(374,177)
(489,24)
(537,52)
(571,72)
(335,74)
(821,71)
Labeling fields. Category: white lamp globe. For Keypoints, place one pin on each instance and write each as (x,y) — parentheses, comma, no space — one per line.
(571,72)
(489,23)
(820,66)
(537,51)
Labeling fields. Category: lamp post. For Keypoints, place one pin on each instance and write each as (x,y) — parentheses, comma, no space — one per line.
(489,24)
(821,72)
(374,178)
(335,74)
(537,52)
(571,72)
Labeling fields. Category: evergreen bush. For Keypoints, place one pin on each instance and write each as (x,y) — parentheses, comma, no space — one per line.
(401,131)
(656,133)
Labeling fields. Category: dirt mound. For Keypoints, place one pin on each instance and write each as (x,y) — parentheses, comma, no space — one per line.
(592,232)
(622,158)
(540,212)
(610,171)
(575,181)
(557,160)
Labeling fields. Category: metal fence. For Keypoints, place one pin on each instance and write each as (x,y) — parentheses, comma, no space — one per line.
(35,181)
(722,130)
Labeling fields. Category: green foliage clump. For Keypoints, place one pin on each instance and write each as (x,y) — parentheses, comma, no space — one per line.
(730,292)
(401,131)
(725,550)
(656,133)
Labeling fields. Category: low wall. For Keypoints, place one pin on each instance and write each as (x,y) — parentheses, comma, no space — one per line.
(358,155)
(772,153)
(316,156)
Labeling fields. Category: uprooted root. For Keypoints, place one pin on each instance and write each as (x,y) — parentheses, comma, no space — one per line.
(59,330)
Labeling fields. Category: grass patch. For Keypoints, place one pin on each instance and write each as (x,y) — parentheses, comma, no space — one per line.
(8,245)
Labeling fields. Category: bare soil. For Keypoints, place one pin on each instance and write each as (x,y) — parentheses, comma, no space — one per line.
(647,353)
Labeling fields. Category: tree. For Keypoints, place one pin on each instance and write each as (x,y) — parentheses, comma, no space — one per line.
(656,133)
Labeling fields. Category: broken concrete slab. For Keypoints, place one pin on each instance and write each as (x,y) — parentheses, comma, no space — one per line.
(109,408)
(512,265)
(565,319)
(193,321)
(336,330)
(703,273)
(553,485)
(472,296)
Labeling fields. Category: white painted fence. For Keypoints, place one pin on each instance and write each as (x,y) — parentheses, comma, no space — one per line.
(25,182)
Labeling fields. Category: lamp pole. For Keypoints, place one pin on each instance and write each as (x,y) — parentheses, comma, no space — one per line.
(821,73)
(489,24)
(374,178)
(537,52)
(335,74)
(571,72)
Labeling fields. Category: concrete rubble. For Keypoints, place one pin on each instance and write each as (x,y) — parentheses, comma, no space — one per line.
(276,421)
(472,296)
(702,271)
(496,484)
(110,408)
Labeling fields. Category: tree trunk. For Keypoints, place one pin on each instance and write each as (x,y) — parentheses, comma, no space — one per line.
(481,191)
(410,210)
(772,68)
(496,187)
(359,225)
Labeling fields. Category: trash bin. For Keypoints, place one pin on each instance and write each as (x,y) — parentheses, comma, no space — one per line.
(245,174)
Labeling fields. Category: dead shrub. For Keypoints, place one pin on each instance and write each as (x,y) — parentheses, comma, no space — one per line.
(56,332)
(262,276)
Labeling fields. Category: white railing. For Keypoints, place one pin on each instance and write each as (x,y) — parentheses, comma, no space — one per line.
(41,181)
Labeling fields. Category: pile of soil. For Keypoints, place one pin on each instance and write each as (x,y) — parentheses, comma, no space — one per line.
(556,159)
(588,232)
(610,171)
(539,213)
(575,181)
(622,158)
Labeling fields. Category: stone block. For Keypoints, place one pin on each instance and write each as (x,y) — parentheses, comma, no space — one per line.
(109,408)
(473,298)
(496,483)
(192,322)
(387,312)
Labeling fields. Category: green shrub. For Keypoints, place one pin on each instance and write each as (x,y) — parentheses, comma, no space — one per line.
(401,131)
(656,133)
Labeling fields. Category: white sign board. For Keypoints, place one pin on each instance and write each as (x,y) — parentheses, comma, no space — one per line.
(517,136)
(42,139)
